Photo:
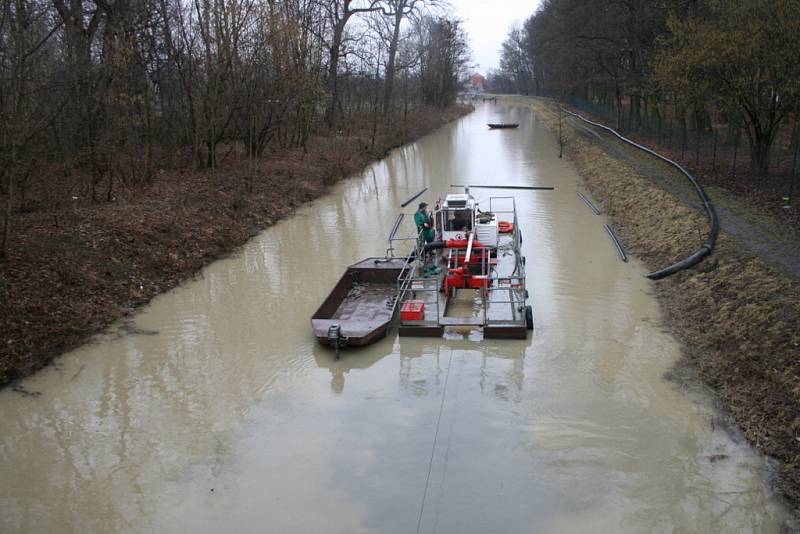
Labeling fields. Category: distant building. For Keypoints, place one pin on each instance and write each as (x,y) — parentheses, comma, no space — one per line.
(475,83)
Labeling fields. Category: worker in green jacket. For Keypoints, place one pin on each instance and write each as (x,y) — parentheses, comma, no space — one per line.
(423,221)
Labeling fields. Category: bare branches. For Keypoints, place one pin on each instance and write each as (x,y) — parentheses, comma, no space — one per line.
(108,90)
(726,57)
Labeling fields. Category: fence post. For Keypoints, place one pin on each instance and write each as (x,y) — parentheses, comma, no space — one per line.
(714,159)
(792,176)
(630,116)
(684,141)
(669,139)
(735,151)
(697,147)
(659,128)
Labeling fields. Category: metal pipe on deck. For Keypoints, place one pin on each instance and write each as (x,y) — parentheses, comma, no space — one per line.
(469,248)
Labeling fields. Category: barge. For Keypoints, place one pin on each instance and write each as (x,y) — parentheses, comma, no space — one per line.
(472,275)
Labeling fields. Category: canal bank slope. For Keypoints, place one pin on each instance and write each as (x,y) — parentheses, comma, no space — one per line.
(74,270)
(736,314)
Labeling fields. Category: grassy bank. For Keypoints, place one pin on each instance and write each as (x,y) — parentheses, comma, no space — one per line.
(74,269)
(736,315)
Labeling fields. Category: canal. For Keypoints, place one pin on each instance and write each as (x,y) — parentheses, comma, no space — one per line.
(214,410)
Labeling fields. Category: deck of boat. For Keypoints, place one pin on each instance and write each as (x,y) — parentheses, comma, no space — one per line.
(362,303)
(502,317)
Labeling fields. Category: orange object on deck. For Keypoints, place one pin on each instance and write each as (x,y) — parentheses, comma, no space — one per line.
(505,227)
(462,243)
(413,310)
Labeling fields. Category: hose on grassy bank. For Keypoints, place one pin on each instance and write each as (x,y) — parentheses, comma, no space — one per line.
(614,239)
(706,248)
(588,203)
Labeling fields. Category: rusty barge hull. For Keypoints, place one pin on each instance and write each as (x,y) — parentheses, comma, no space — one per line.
(362,303)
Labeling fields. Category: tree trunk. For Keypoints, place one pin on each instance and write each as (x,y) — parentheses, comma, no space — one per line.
(7,214)
(760,142)
(149,148)
(390,65)
(333,72)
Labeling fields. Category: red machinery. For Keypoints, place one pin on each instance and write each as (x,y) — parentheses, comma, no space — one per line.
(467,257)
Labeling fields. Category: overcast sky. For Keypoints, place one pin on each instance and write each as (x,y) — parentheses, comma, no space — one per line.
(487,23)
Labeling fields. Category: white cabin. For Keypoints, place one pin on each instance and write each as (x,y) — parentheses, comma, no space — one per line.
(459,215)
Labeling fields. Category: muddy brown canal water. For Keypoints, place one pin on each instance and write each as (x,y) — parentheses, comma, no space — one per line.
(215,410)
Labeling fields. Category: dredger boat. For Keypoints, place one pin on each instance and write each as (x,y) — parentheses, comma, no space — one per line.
(471,276)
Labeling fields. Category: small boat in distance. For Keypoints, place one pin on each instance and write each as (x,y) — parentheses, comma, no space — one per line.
(502,125)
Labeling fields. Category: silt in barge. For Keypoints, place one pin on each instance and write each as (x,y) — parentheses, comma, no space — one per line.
(362,305)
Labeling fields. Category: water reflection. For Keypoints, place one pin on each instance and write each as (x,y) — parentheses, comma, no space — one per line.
(354,358)
(501,364)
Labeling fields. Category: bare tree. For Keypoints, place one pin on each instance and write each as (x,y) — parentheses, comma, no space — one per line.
(339,13)
(27,29)
(105,91)
(398,11)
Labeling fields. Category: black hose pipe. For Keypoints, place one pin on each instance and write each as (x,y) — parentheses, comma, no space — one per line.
(711,240)
(410,200)
(435,245)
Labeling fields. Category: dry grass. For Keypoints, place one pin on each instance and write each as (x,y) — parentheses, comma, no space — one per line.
(737,317)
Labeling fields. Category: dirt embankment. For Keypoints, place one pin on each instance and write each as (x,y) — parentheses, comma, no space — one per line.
(736,314)
(74,270)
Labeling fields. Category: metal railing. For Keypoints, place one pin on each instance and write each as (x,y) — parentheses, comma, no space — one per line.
(407,281)
(514,284)
(410,283)
(392,239)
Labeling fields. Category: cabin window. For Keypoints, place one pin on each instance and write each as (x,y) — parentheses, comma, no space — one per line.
(458,220)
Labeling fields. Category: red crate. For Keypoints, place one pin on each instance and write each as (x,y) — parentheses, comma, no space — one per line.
(412,310)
